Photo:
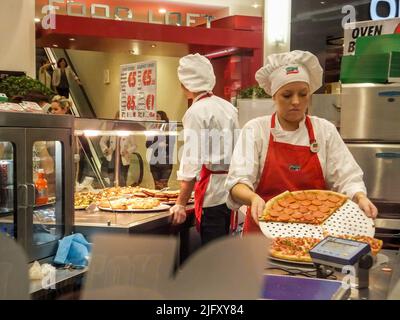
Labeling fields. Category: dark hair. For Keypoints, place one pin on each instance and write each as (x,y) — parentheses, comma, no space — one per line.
(163,116)
(36,96)
(44,61)
(59,62)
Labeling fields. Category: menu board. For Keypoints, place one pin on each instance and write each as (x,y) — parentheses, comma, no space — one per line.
(138,91)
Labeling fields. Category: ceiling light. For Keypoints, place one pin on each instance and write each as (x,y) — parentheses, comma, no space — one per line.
(322,2)
(72,39)
(162,10)
(255,5)
(55,45)
(153,45)
(37,19)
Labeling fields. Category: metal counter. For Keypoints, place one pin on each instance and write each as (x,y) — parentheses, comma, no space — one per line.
(88,223)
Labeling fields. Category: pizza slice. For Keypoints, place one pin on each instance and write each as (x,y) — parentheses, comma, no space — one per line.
(293,249)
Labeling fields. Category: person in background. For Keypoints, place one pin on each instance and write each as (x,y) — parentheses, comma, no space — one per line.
(161,147)
(108,145)
(291,150)
(209,129)
(44,74)
(60,78)
(60,105)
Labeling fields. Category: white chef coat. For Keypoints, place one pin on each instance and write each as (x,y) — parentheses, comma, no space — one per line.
(220,116)
(341,172)
(126,144)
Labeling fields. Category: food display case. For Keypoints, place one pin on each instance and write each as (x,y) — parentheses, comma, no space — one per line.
(36,215)
(115,190)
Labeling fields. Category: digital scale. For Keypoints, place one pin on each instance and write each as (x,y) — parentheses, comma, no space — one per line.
(339,253)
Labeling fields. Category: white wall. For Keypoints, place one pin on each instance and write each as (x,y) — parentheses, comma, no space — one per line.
(17,36)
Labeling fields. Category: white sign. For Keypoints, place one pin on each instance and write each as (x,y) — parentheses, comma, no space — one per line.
(138,91)
(352,31)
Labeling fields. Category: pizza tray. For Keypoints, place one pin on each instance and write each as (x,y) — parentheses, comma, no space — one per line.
(349,219)
(279,261)
(161,207)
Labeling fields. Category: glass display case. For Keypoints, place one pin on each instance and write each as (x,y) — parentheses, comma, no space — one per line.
(36,186)
(118,162)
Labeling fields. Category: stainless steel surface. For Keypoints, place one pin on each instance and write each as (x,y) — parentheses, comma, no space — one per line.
(327,106)
(371,112)
(381,174)
(393,224)
(32,120)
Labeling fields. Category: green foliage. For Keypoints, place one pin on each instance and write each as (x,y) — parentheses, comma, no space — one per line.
(253,92)
(20,86)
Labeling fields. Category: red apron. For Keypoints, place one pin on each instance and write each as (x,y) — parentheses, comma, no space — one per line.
(201,188)
(287,167)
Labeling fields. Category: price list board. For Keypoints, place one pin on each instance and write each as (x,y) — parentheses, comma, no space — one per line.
(138,91)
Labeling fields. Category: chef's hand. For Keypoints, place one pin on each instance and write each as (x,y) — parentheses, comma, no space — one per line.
(365,205)
(368,207)
(179,214)
(257,207)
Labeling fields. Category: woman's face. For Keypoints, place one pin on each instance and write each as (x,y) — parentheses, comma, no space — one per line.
(158,117)
(292,101)
(57,109)
(62,64)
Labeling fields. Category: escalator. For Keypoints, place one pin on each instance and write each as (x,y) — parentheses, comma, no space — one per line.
(90,156)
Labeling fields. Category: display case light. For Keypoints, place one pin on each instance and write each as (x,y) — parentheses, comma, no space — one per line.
(91,133)
(123,133)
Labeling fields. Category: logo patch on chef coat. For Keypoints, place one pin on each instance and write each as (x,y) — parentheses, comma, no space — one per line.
(292,70)
(294,167)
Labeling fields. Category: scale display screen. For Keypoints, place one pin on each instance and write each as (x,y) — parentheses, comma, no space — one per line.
(345,249)
(339,251)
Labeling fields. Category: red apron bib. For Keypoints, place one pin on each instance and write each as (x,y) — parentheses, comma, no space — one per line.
(287,167)
(201,188)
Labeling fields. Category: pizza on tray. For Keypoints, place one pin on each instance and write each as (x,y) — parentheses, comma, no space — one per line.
(309,206)
(293,249)
(297,249)
(130,204)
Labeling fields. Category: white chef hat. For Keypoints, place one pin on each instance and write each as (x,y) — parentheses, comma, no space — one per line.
(283,68)
(196,73)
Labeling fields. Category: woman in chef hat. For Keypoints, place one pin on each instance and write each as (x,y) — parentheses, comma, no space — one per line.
(291,150)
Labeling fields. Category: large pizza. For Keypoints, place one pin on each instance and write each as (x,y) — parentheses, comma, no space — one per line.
(297,249)
(309,206)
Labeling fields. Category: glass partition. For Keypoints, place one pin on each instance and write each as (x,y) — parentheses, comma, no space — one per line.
(47,177)
(7,183)
(117,160)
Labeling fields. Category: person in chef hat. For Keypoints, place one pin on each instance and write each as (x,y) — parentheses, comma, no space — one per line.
(201,161)
(291,150)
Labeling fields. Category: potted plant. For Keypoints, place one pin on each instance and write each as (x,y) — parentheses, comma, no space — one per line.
(253,102)
(21,86)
